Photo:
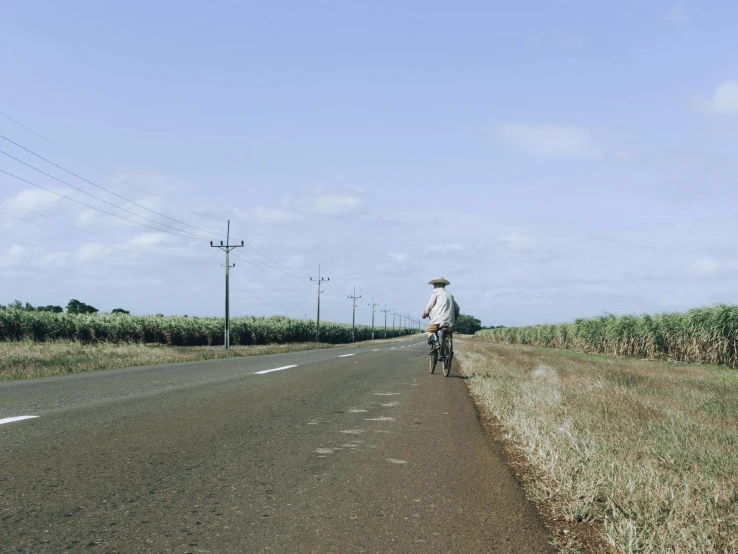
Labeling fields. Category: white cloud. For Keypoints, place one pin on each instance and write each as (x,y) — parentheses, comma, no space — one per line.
(51,260)
(149,239)
(544,140)
(92,251)
(443,249)
(677,14)
(335,204)
(725,99)
(397,257)
(321,202)
(36,199)
(704,267)
(265,214)
(515,242)
(14,256)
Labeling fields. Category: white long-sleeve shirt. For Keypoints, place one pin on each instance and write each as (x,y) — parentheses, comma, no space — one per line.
(442,307)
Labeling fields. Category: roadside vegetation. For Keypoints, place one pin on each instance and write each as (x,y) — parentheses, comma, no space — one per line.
(18,324)
(703,335)
(643,453)
(29,359)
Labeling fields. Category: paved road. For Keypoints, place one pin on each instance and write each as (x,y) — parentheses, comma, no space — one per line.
(352,450)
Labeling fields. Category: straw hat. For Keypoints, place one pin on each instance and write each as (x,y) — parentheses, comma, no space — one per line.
(439,280)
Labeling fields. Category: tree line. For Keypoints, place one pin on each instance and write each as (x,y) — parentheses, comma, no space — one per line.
(468,325)
(73,307)
(465,324)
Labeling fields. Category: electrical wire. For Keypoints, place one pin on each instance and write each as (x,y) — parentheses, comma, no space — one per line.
(192,235)
(80,238)
(103,188)
(284,267)
(93,207)
(121,179)
(177,258)
(250,261)
(254,262)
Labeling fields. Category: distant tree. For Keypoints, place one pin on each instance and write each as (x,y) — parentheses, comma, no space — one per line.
(467,325)
(27,307)
(77,307)
(50,308)
(121,311)
(159,315)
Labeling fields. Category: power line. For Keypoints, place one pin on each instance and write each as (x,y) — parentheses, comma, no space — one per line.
(253,261)
(373,306)
(121,179)
(128,246)
(80,238)
(101,187)
(320,281)
(385,312)
(193,235)
(95,207)
(298,273)
(227,247)
(353,299)
(128,183)
(180,232)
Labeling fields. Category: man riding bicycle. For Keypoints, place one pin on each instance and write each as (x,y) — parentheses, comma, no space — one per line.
(442,310)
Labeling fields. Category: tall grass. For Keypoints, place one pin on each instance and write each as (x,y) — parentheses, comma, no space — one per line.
(18,325)
(703,335)
(645,452)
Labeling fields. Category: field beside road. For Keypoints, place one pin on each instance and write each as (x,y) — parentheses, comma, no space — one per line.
(645,452)
(28,359)
(17,324)
(702,335)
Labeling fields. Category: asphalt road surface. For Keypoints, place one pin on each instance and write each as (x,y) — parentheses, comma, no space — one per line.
(350,450)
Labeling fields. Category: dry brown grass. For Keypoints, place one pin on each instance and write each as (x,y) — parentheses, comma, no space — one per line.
(28,359)
(646,450)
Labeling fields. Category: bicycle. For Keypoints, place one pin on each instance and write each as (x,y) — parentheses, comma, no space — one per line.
(444,353)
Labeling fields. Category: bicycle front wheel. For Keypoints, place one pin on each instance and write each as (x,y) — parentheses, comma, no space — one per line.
(433,358)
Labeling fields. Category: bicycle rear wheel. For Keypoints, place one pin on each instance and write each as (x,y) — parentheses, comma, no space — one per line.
(433,358)
(447,357)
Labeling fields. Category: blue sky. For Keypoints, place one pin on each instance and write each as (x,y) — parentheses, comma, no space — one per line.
(553,160)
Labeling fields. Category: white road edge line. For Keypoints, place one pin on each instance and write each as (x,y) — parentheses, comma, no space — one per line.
(275,369)
(346,355)
(16,418)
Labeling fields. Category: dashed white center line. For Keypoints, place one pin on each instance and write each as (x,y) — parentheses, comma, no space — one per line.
(275,369)
(346,355)
(376,350)
(16,418)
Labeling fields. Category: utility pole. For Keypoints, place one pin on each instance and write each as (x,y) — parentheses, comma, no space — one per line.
(393,322)
(385,311)
(373,305)
(227,247)
(319,280)
(353,298)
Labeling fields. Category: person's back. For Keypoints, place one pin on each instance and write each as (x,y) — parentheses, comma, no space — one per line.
(442,308)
